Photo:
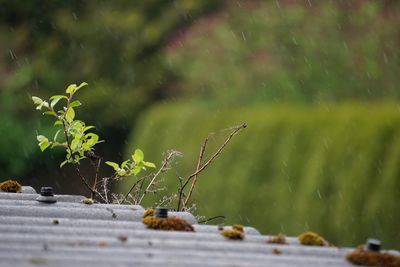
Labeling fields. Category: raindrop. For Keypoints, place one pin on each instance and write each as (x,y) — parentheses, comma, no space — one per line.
(13,56)
(277,4)
(385,58)
(75,16)
(319,194)
(244,37)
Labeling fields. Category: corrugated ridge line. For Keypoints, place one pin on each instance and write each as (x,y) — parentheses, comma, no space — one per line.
(33,196)
(113,255)
(105,213)
(63,204)
(106,232)
(96,224)
(222,245)
(121,250)
(275,261)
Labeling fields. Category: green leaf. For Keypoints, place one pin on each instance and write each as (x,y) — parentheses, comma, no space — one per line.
(135,171)
(138,156)
(76,103)
(63,163)
(37,100)
(42,138)
(54,99)
(51,113)
(113,164)
(149,164)
(58,123)
(75,143)
(56,135)
(121,172)
(71,89)
(123,164)
(43,104)
(58,97)
(70,115)
(44,145)
(88,128)
(86,146)
(92,139)
(81,85)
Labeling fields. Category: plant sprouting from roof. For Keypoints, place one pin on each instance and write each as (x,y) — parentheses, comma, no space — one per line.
(79,141)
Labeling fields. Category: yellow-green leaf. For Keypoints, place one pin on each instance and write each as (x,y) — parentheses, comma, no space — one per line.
(70,115)
(114,165)
(71,89)
(138,156)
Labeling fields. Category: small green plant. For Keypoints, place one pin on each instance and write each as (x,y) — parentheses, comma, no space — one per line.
(79,141)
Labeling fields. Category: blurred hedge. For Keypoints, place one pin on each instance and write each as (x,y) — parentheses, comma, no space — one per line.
(331,169)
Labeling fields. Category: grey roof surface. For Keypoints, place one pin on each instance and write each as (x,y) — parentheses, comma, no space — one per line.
(113,235)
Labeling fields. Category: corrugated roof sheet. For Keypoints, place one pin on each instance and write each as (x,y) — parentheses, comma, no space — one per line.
(70,233)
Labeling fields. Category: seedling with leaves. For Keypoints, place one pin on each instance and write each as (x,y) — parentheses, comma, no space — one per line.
(79,142)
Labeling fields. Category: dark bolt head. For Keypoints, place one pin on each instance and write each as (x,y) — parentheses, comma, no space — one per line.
(47,191)
(373,245)
(161,213)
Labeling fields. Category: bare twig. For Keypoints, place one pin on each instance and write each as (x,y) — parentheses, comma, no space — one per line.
(130,190)
(236,130)
(170,156)
(105,180)
(212,218)
(96,178)
(201,155)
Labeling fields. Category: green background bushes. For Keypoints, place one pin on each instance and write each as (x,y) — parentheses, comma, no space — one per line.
(330,169)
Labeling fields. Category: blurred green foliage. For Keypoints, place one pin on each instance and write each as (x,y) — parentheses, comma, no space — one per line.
(278,51)
(330,169)
(46,45)
(322,167)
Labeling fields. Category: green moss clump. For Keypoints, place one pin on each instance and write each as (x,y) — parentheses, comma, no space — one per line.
(277,251)
(11,186)
(360,256)
(312,239)
(88,201)
(278,239)
(148,213)
(233,234)
(169,224)
(238,227)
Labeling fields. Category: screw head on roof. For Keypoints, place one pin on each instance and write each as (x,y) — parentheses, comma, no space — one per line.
(46,195)
(47,191)
(373,245)
(161,213)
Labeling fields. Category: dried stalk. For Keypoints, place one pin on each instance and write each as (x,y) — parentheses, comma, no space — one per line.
(201,155)
(162,169)
(205,165)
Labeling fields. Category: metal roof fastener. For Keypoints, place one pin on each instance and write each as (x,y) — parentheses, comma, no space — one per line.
(46,195)
(373,245)
(161,213)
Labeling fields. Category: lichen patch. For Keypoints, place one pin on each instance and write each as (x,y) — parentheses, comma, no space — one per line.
(11,186)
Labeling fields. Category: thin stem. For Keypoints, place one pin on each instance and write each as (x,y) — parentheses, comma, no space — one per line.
(75,165)
(212,218)
(130,190)
(96,178)
(164,165)
(205,165)
(201,155)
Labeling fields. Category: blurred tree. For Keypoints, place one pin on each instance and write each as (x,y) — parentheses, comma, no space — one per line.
(114,46)
(296,51)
